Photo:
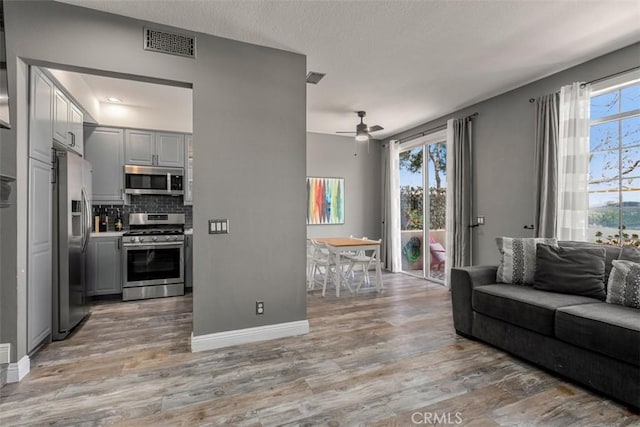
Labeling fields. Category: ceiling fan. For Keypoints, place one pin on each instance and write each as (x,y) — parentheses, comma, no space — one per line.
(363,132)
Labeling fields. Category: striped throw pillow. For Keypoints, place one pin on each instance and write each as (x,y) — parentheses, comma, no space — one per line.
(624,284)
(518,263)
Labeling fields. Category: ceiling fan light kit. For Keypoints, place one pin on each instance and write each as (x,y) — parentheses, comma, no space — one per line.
(362,130)
(362,136)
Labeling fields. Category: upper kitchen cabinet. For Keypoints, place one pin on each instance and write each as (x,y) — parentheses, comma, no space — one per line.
(67,123)
(41,116)
(76,129)
(147,148)
(139,147)
(188,169)
(61,117)
(104,148)
(169,149)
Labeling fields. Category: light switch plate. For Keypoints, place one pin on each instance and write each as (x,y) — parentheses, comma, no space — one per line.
(218,226)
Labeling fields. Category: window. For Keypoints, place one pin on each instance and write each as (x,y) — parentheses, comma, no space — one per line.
(614,164)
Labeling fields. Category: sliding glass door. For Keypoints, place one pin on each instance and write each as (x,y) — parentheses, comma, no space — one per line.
(423,183)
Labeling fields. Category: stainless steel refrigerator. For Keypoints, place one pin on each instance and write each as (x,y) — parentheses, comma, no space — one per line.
(71,231)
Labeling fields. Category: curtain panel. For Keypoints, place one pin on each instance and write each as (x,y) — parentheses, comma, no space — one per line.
(459,193)
(391,209)
(546,167)
(573,162)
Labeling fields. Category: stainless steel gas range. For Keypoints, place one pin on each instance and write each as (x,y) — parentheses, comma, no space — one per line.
(153,256)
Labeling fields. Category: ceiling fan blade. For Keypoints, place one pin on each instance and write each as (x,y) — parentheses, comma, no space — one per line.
(375,128)
(346,131)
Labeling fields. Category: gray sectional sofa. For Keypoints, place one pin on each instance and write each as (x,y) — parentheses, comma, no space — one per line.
(581,338)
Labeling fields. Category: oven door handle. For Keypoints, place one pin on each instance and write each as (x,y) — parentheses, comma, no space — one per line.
(164,245)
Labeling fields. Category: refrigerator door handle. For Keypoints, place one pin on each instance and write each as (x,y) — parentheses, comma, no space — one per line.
(86,214)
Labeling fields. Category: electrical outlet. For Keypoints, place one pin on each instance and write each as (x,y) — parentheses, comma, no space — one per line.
(259,307)
(480,220)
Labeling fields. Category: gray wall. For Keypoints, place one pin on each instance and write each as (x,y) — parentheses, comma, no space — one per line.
(249,130)
(333,156)
(504,148)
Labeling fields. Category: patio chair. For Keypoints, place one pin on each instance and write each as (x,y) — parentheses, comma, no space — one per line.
(438,255)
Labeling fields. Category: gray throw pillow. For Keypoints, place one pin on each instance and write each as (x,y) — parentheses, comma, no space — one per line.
(630,253)
(518,262)
(570,271)
(610,253)
(624,284)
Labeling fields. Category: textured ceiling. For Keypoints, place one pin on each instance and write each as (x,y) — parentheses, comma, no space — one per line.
(406,62)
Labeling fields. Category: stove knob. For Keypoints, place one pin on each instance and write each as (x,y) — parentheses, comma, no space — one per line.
(167,238)
(175,238)
(154,238)
(141,239)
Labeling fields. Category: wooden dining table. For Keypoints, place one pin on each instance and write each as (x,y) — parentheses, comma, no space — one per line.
(340,245)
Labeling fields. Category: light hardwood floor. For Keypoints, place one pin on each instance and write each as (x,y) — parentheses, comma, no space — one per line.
(377,360)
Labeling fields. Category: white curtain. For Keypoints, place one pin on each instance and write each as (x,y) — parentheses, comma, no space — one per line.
(573,162)
(391,213)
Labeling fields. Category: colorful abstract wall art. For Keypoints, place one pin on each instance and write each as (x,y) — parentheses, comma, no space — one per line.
(325,200)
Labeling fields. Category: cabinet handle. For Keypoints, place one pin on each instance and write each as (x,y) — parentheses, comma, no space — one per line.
(118,244)
(73,139)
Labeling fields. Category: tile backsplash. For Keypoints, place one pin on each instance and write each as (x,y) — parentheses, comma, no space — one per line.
(146,203)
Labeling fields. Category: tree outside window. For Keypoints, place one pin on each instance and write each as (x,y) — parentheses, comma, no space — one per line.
(614,166)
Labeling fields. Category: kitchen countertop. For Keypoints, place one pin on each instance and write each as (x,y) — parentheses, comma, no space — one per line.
(108,234)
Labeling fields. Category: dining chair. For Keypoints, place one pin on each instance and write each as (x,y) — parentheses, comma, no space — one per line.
(364,261)
(352,272)
(324,259)
(310,263)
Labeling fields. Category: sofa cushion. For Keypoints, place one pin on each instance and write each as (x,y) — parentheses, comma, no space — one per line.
(624,284)
(630,253)
(518,259)
(523,306)
(610,329)
(576,271)
(610,253)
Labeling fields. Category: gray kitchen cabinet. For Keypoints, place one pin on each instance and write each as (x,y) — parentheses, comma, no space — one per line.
(169,149)
(188,169)
(139,148)
(75,129)
(39,254)
(148,148)
(104,265)
(104,148)
(188,261)
(61,117)
(67,122)
(41,116)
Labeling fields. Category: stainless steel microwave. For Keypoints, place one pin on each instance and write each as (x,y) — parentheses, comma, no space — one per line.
(153,180)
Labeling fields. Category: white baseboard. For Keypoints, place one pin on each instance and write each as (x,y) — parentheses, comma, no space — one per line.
(248,335)
(17,371)
(5,353)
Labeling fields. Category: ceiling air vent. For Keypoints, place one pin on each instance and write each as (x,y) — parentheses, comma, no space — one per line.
(313,77)
(173,43)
